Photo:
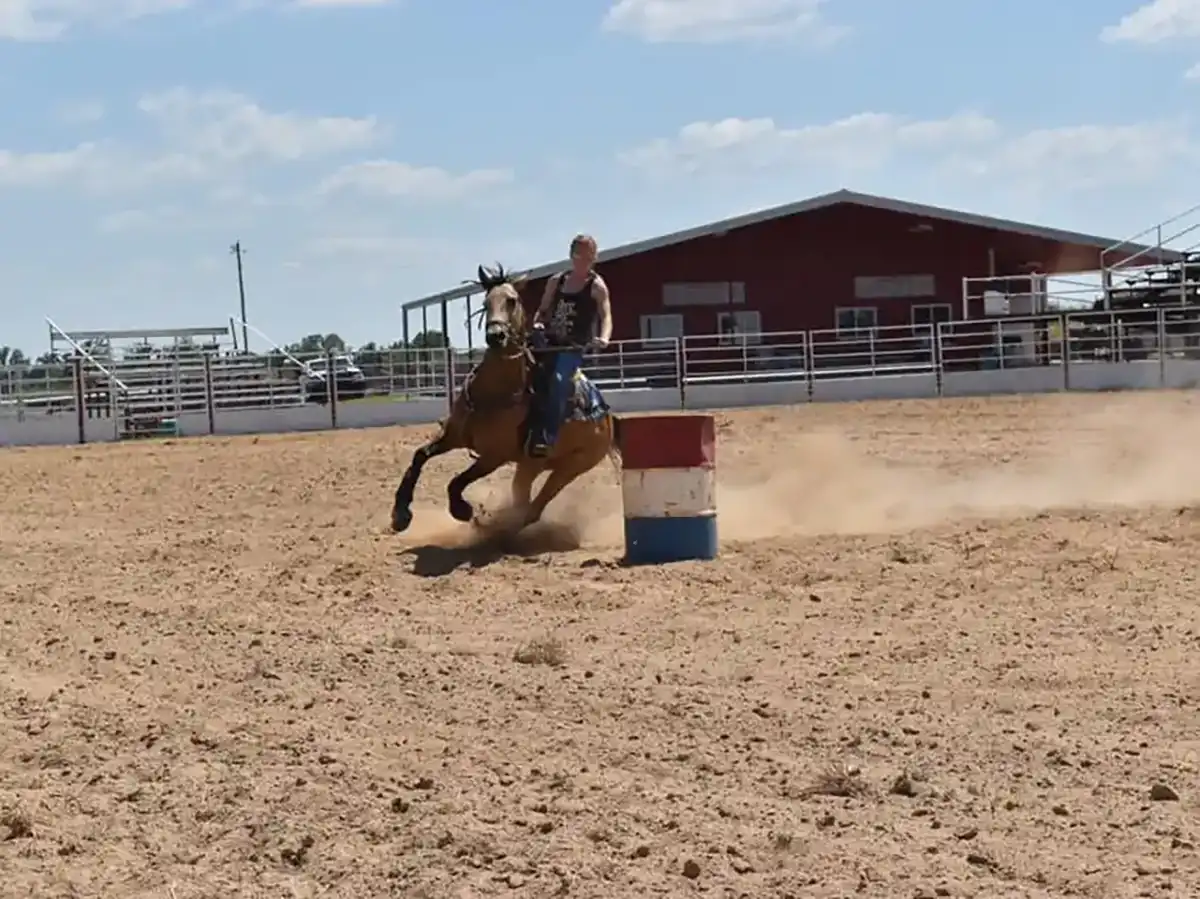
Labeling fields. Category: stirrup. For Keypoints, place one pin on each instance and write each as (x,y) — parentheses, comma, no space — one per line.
(534,448)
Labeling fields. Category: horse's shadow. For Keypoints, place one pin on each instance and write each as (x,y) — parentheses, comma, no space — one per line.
(490,545)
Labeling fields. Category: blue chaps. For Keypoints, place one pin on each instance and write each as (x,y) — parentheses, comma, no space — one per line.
(555,388)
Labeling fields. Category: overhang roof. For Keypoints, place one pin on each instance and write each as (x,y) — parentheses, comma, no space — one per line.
(812,204)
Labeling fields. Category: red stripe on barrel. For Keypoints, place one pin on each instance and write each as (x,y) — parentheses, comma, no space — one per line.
(668,441)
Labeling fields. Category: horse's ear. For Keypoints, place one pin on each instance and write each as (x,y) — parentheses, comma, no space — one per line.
(486,280)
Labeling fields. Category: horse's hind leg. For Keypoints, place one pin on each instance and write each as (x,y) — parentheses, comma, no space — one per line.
(402,506)
(522,483)
(460,509)
(563,472)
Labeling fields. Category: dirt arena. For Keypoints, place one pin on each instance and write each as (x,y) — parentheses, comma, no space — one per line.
(951,649)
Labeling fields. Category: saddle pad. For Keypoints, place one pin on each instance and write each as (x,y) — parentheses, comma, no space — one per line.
(587,402)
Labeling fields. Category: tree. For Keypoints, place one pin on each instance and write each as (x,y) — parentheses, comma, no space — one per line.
(429,340)
(314,344)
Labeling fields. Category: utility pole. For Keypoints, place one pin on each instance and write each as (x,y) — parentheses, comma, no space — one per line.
(236,250)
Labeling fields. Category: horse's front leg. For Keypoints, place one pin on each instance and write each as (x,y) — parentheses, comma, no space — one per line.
(402,507)
(460,508)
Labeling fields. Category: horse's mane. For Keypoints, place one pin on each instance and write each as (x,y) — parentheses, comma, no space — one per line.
(494,277)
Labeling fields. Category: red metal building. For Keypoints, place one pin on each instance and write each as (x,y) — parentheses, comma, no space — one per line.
(842,260)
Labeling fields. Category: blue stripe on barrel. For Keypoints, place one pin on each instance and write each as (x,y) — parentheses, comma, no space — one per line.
(668,488)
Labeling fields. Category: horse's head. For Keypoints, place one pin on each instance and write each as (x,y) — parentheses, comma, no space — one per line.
(504,316)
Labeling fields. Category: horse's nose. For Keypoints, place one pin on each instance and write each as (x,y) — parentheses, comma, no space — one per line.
(495,335)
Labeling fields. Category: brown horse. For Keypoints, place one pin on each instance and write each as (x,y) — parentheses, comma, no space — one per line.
(488,418)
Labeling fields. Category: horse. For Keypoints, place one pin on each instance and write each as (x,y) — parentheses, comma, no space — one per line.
(489,417)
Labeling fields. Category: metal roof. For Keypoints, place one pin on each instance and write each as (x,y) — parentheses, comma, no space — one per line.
(811,205)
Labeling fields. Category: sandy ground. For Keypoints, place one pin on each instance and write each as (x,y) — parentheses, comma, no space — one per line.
(950,650)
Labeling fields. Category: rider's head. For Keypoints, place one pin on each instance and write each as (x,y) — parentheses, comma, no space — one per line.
(583,253)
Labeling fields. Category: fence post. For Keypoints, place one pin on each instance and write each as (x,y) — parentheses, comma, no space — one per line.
(210,399)
(449,374)
(331,388)
(810,364)
(1160,327)
(80,396)
(681,369)
(935,341)
(1064,345)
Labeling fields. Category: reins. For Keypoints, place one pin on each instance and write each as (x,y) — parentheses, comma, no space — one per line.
(520,350)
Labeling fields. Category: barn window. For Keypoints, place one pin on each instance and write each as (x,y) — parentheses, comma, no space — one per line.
(704,293)
(924,315)
(856,322)
(662,327)
(894,287)
(741,327)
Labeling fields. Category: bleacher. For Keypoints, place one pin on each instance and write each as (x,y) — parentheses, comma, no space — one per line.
(147,378)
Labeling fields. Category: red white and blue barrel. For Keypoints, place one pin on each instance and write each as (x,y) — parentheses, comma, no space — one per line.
(669,488)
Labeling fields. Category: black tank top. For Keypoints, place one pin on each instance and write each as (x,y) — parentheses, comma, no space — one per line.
(573,316)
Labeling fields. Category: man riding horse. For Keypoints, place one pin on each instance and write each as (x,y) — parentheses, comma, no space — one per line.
(575,306)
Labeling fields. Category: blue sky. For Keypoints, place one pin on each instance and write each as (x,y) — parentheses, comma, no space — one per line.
(368,152)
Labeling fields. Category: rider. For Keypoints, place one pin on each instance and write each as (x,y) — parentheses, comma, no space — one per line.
(575,306)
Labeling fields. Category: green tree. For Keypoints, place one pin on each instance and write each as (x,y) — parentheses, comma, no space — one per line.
(429,340)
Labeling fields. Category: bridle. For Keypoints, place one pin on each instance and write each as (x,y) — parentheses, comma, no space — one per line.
(515,347)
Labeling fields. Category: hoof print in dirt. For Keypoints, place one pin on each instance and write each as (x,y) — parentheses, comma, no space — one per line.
(16,825)
(1160,792)
(297,857)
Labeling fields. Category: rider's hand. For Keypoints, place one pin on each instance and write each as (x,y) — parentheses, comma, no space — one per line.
(599,343)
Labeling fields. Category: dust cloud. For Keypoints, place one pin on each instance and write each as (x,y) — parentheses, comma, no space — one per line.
(1129,454)
(799,482)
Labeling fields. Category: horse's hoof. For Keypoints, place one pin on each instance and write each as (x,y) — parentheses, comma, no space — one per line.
(401,519)
(461,510)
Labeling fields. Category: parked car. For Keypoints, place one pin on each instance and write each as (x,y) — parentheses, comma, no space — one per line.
(349,378)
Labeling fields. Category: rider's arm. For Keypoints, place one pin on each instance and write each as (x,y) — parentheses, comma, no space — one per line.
(543,309)
(604,307)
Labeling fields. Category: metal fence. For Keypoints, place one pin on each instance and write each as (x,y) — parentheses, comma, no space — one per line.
(152,387)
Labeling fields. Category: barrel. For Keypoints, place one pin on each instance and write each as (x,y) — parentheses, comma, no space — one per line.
(668,488)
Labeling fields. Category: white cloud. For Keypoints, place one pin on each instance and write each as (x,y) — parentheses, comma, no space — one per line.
(968,144)
(382,247)
(126,220)
(229,126)
(387,178)
(42,20)
(715,21)
(39,169)
(46,20)
(1193,74)
(1083,157)
(83,112)
(860,141)
(1155,22)
(196,136)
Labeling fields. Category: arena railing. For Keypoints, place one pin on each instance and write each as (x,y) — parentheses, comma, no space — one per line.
(179,381)
(38,389)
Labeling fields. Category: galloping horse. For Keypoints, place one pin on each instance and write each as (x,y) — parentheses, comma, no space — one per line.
(489,415)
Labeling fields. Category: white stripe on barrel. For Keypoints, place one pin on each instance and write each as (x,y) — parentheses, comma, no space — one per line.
(669,492)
